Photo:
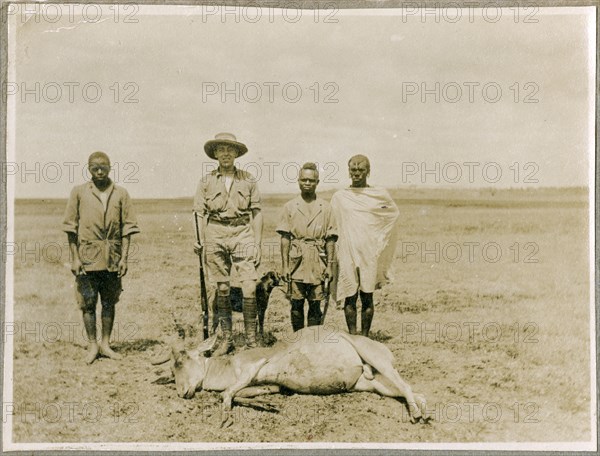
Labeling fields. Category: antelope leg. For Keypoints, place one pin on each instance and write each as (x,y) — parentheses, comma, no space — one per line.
(257,403)
(383,385)
(380,357)
(244,377)
(249,396)
(253,391)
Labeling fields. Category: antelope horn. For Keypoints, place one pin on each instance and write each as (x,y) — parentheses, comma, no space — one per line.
(166,355)
(208,344)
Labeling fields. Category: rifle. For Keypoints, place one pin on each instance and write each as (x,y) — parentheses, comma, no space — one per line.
(288,293)
(203,295)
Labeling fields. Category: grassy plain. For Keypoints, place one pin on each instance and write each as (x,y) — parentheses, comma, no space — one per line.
(489,318)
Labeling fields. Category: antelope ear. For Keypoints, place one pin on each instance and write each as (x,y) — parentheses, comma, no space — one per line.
(177,347)
(165,380)
(208,344)
(161,358)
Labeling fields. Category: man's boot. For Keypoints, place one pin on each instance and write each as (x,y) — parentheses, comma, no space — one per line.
(249,311)
(297,314)
(314,313)
(224,310)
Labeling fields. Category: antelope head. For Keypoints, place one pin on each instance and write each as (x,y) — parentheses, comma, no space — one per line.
(189,366)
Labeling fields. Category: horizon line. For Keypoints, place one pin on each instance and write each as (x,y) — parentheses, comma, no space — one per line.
(411,187)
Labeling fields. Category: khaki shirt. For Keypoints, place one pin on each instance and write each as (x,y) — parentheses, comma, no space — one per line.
(99,231)
(213,199)
(308,232)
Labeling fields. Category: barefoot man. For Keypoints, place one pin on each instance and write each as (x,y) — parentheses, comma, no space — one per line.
(99,221)
(308,234)
(366,218)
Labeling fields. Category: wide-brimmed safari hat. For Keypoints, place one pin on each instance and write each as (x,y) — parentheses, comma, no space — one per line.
(224,138)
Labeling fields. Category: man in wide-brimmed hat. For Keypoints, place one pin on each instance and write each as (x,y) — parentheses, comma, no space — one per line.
(230,233)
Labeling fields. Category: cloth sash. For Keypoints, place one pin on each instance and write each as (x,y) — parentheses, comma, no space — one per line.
(310,252)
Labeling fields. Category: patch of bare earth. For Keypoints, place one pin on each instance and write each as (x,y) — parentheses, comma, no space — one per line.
(500,349)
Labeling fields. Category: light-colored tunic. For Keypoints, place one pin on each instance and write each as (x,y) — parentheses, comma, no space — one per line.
(215,200)
(99,228)
(309,227)
(229,248)
(367,238)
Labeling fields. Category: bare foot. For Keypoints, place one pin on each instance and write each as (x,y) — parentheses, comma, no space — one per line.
(105,350)
(92,353)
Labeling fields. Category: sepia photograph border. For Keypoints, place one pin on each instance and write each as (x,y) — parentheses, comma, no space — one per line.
(7,221)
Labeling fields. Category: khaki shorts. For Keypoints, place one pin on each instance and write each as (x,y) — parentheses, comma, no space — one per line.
(230,253)
(93,283)
(310,291)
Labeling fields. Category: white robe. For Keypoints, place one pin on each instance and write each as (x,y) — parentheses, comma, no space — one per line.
(366,220)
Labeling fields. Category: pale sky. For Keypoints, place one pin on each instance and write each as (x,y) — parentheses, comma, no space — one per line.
(365,62)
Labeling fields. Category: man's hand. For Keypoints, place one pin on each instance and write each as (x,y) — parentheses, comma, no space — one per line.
(122,267)
(77,267)
(198,248)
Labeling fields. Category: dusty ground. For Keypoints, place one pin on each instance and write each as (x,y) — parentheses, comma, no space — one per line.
(499,348)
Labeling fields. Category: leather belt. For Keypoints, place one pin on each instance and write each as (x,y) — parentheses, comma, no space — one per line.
(236,221)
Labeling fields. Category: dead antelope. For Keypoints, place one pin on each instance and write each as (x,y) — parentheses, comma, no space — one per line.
(315,362)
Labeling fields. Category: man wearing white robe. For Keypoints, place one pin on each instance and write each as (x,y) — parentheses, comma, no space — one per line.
(367,219)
